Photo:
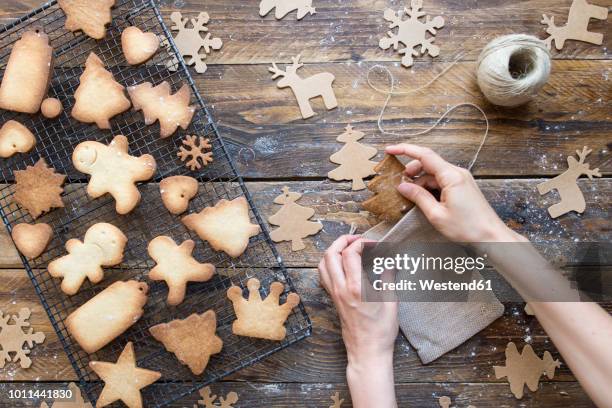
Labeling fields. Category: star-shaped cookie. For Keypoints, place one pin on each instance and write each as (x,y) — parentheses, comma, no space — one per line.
(192,340)
(226,226)
(123,380)
(176,266)
(38,188)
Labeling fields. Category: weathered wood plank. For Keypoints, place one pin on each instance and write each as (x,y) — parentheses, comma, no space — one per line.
(422,395)
(351,31)
(321,357)
(268,137)
(516,201)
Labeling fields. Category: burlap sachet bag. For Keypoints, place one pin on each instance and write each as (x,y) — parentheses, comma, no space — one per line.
(435,328)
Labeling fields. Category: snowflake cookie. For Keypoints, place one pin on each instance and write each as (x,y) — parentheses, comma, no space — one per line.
(189,41)
(411,32)
(14,338)
(195,153)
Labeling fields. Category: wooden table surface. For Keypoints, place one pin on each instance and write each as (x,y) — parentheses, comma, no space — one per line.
(272,147)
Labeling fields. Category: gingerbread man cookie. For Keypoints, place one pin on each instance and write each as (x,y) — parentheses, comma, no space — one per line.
(177,266)
(102,246)
(113,171)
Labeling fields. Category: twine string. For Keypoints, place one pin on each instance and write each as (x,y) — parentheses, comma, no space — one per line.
(390,92)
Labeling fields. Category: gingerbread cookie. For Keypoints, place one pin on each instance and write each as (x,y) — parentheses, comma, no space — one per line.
(138,47)
(113,171)
(176,266)
(15,138)
(226,226)
(103,245)
(194,152)
(91,17)
(38,188)
(27,74)
(31,240)
(51,108)
(264,319)
(123,380)
(387,204)
(176,191)
(158,103)
(192,340)
(99,97)
(108,314)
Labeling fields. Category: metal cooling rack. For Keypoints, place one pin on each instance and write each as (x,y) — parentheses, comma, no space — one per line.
(56,140)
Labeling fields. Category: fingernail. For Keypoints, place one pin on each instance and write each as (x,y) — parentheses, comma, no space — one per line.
(404,188)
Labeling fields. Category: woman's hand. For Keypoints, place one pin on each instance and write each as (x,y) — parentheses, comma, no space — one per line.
(462,214)
(369,329)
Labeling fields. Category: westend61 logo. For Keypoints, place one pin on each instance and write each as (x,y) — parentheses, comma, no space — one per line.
(412,264)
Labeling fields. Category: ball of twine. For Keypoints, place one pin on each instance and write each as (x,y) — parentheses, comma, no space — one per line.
(512,69)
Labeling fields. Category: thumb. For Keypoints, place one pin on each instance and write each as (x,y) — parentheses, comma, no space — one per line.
(422,198)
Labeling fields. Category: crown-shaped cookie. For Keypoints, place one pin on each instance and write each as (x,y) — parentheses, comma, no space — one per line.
(264,319)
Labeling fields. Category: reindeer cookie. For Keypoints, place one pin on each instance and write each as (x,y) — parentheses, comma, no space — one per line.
(102,246)
(307,88)
(577,26)
(284,7)
(177,266)
(113,171)
(566,184)
(264,319)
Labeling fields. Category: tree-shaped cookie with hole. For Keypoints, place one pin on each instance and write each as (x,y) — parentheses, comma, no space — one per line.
(292,220)
(113,171)
(177,266)
(306,88)
(264,319)
(353,158)
(103,245)
(99,97)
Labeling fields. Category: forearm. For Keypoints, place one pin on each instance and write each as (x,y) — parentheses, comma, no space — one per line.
(371,382)
(581,332)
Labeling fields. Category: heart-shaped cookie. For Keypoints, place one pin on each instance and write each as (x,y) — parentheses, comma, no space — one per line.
(31,240)
(176,191)
(137,46)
